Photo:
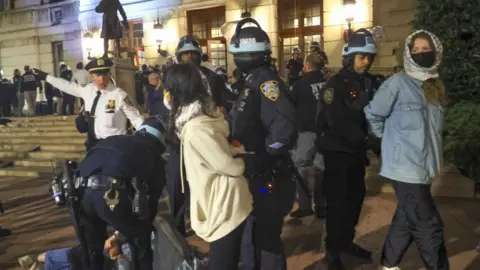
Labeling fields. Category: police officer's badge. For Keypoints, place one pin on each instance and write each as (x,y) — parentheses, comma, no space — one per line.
(100,62)
(111,104)
(270,90)
(328,95)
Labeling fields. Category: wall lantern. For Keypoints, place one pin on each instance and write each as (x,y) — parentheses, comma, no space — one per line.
(349,9)
(88,38)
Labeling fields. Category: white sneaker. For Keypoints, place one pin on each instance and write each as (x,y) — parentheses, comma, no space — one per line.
(387,268)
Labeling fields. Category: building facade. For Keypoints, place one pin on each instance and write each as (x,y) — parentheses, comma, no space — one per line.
(39,33)
(289,23)
(45,33)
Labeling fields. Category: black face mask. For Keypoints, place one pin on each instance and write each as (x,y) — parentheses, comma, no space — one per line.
(424,59)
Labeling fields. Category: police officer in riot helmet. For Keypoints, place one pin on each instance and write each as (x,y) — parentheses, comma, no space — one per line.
(188,50)
(123,177)
(294,67)
(263,122)
(342,139)
(315,48)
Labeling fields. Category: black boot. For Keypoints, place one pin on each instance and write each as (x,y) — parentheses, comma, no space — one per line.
(357,251)
(333,261)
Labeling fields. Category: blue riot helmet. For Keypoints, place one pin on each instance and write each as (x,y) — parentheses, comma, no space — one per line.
(188,44)
(250,46)
(153,127)
(360,42)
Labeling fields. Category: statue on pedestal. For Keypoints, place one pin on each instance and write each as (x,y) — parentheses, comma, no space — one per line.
(111,28)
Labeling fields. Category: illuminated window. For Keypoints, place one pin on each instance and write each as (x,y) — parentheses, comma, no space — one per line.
(218,54)
(308,39)
(133,37)
(199,26)
(300,22)
(205,25)
(288,45)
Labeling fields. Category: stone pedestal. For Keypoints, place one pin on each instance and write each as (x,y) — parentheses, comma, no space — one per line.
(124,74)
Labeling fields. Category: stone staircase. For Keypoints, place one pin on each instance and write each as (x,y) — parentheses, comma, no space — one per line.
(29,147)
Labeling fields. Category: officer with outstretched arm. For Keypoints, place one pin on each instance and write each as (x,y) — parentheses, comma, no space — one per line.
(108,106)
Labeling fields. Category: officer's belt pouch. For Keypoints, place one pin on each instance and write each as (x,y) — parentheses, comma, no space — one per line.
(103,182)
(81,123)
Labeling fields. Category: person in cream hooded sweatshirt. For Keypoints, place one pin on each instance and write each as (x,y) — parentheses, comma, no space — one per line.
(220,200)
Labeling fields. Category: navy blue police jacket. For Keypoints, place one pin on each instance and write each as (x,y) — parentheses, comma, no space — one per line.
(263,116)
(125,157)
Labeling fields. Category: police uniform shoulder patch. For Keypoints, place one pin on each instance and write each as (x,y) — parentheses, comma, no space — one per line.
(128,101)
(328,95)
(111,104)
(270,90)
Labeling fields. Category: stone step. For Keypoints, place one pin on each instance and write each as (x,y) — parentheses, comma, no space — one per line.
(52,118)
(43,134)
(27,172)
(41,124)
(36,163)
(44,147)
(54,155)
(70,127)
(12,155)
(19,147)
(42,140)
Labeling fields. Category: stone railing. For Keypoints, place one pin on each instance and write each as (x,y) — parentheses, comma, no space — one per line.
(39,16)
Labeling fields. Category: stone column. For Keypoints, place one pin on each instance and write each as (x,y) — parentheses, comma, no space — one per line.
(266,15)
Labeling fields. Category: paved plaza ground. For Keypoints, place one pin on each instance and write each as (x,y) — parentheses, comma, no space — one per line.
(38,225)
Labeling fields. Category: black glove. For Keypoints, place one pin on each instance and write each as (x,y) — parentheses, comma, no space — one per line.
(42,76)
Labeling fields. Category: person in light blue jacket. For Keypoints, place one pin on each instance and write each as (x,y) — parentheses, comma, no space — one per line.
(407,114)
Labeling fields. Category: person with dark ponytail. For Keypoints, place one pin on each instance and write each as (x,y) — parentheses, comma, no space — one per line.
(220,200)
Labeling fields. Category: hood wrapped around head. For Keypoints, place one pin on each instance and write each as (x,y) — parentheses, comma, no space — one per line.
(417,71)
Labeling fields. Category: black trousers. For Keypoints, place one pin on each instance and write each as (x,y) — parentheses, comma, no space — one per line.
(344,189)
(177,199)
(225,252)
(416,220)
(95,215)
(5,110)
(262,245)
(68,101)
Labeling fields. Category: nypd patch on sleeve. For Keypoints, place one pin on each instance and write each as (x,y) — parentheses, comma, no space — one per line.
(270,90)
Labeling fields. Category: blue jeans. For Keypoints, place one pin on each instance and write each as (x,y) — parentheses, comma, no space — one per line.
(58,259)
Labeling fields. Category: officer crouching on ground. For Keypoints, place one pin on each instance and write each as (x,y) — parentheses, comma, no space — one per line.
(108,106)
(123,177)
(263,121)
(342,139)
(306,98)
